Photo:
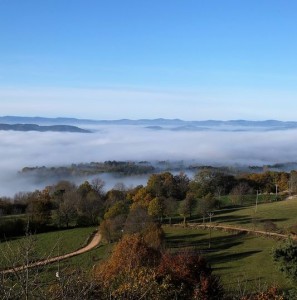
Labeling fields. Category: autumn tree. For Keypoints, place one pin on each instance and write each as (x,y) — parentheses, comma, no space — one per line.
(39,208)
(205,205)
(238,192)
(190,275)
(168,186)
(293,182)
(211,181)
(66,213)
(156,208)
(90,208)
(130,272)
(119,208)
(137,220)
(84,189)
(113,196)
(112,229)
(153,235)
(58,190)
(187,206)
(142,197)
(181,182)
(98,186)
(170,208)
(130,253)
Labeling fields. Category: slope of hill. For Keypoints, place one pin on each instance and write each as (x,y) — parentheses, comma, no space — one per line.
(162,124)
(35,127)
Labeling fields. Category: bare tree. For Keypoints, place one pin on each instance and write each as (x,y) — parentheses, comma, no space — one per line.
(21,281)
(98,185)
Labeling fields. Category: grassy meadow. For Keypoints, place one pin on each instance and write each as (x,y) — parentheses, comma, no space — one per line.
(282,213)
(47,244)
(239,259)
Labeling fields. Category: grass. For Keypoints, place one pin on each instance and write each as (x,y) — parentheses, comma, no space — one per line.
(85,262)
(240,258)
(13,217)
(282,213)
(49,244)
(248,199)
(237,258)
(70,240)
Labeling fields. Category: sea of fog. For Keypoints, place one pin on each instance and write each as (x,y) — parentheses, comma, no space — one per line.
(20,149)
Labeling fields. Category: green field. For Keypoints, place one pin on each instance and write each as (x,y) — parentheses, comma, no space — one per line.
(282,213)
(85,262)
(239,259)
(249,199)
(48,244)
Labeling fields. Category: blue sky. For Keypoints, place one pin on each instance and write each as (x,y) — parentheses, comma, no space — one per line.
(112,59)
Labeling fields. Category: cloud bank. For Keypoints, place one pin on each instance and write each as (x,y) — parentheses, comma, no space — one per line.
(20,149)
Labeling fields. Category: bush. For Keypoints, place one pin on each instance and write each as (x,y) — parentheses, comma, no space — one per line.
(12,228)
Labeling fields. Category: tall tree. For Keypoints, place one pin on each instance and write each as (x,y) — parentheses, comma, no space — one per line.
(156,208)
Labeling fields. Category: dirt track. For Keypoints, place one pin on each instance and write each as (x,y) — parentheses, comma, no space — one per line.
(97,238)
(92,244)
(240,229)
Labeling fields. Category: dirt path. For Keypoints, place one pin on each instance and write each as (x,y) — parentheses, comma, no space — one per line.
(91,245)
(240,229)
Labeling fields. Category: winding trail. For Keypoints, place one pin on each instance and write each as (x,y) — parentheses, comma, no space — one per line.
(96,239)
(230,228)
(94,242)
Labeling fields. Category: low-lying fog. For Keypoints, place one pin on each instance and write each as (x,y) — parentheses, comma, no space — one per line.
(20,149)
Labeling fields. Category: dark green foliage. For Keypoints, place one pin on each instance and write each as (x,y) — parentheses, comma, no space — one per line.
(93,168)
(83,221)
(209,181)
(119,208)
(286,257)
(12,228)
(168,186)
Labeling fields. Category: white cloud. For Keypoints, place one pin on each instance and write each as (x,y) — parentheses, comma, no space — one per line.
(20,149)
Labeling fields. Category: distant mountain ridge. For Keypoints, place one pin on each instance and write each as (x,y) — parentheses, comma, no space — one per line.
(34,127)
(161,124)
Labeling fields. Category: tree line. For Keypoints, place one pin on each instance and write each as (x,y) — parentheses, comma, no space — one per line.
(165,196)
(140,266)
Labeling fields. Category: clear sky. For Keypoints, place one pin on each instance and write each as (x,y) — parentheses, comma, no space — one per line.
(188,59)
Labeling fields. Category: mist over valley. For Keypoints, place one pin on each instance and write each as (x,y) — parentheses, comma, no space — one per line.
(259,144)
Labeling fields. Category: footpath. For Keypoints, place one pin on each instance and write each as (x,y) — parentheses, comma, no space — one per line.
(94,242)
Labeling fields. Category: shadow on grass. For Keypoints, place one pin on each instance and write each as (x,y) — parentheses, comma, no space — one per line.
(245,219)
(201,241)
(230,256)
(273,220)
(186,240)
(221,242)
(230,209)
(220,268)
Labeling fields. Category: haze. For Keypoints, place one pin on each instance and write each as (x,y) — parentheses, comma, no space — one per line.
(199,60)
(20,149)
